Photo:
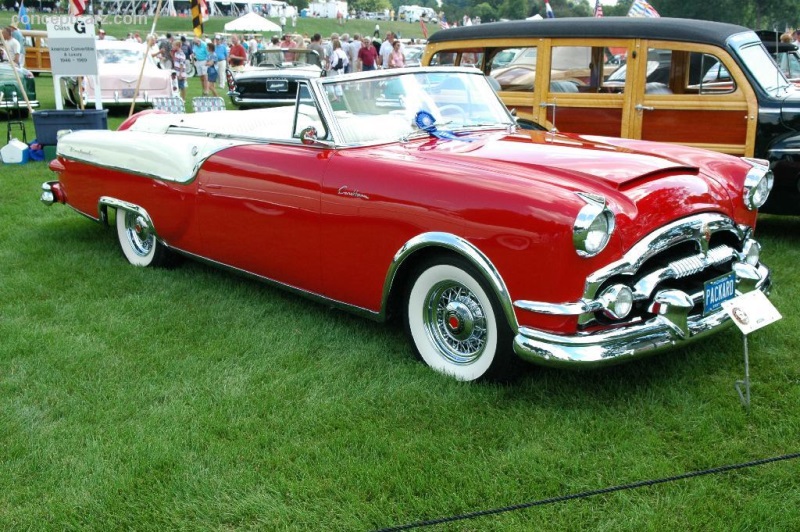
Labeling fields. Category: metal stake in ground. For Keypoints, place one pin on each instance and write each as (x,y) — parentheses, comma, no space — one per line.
(750,312)
(744,397)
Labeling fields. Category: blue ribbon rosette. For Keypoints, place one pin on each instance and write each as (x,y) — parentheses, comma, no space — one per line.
(426,122)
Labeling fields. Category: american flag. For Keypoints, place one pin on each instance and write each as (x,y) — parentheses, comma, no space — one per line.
(598,9)
(549,9)
(443,23)
(77,7)
(640,8)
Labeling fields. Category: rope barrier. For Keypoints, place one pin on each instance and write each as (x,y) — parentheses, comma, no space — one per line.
(585,494)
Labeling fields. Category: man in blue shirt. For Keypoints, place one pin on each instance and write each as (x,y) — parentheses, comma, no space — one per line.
(200,54)
(222,52)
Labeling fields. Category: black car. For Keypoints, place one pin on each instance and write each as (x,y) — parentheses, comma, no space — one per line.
(271,79)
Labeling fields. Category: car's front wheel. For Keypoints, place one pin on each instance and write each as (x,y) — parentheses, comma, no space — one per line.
(138,242)
(455,322)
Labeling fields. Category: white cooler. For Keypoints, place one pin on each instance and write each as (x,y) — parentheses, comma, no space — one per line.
(15,152)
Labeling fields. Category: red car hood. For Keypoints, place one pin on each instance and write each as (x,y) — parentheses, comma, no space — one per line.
(579,158)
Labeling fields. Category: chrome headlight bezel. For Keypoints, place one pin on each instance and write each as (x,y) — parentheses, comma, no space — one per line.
(593,226)
(757,184)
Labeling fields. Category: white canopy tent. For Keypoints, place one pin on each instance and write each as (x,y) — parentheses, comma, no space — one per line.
(252,22)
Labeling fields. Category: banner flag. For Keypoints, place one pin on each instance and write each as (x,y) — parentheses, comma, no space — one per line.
(197,17)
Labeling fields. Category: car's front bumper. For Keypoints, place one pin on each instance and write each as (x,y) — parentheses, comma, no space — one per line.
(589,350)
(19,104)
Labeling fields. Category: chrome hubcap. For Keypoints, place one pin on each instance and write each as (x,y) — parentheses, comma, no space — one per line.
(455,322)
(139,235)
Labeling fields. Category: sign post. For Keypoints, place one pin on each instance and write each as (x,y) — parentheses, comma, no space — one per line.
(750,312)
(73,52)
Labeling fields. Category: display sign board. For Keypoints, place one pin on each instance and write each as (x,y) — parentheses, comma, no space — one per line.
(751,311)
(73,49)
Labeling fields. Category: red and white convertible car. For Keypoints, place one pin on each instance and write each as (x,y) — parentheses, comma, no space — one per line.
(411,193)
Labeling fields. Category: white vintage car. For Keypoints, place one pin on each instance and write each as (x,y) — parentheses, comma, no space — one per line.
(119,64)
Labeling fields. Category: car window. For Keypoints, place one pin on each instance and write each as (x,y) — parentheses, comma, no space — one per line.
(681,72)
(763,67)
(119,56)
(514,68)
(789,63)
(443,58)
(307,114)
(584,69)
(470,58)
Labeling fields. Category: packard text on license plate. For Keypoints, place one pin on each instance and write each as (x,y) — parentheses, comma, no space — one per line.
(718,290)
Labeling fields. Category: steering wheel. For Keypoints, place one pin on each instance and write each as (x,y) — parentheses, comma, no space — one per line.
(453,112)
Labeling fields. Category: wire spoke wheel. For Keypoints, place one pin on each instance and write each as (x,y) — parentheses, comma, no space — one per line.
(455,323)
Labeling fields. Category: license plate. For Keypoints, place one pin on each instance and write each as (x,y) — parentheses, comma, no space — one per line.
(718,290)
(128,93)
(277,85)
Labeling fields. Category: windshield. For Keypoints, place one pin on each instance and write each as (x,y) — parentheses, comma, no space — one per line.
(124,56)
(399,104)
(277,57)
(763,68)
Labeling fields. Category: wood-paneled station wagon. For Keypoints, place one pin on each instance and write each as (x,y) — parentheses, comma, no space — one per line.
(703,84)
(411,193)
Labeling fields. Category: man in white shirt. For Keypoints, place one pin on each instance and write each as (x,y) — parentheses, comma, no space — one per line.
(352,50)
(12,47)
(386,49)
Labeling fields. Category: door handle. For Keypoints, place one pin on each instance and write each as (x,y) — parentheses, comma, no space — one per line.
(641,107)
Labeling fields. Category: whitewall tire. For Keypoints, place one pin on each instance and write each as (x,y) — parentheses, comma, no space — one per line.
(138,243)
(455,322)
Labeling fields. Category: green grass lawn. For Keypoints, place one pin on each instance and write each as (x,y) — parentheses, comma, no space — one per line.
(191,398)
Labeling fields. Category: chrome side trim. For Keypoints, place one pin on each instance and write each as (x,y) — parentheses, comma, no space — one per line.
(588,350)
(465,249)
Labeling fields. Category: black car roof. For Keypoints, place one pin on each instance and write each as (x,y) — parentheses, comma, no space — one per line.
(672,29)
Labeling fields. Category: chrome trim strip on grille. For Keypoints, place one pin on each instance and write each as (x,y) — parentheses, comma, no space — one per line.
(680,268)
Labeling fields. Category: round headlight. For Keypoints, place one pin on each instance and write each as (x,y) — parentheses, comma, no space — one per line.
(593,226)
(617,301)
(757,184)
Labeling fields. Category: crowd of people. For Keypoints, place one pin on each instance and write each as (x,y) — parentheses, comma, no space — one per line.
(211,57)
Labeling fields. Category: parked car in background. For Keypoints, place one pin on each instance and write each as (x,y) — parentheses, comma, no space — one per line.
(273,76)
(694,82)
(486,240)
(10,94)
(413,54)
(37,54)
(119,64)
(785,54)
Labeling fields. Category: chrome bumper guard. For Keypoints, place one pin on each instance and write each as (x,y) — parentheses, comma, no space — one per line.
(671,327)
(47,197)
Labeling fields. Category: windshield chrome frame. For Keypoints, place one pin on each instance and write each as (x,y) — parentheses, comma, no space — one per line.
(318,87)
